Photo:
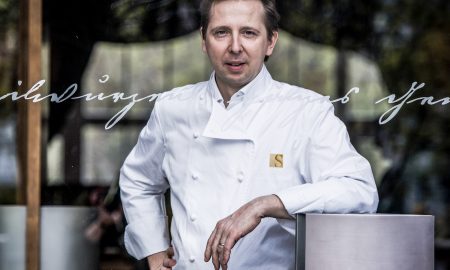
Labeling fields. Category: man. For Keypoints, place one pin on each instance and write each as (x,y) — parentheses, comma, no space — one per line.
(241,153)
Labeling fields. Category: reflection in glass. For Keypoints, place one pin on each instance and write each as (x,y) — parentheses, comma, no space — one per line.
(146,47)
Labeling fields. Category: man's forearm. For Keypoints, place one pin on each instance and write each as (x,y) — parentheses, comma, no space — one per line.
(272,206)
(244,220)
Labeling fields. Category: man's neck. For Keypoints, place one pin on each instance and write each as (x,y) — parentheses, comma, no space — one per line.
(227,92)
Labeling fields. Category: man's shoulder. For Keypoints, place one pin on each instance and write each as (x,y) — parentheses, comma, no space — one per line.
(294,94)
(183,93)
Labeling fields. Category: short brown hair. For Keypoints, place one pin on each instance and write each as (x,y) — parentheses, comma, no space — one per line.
(271,16)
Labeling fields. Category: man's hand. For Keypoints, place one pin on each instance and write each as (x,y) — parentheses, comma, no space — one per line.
(162,260)
(232,228)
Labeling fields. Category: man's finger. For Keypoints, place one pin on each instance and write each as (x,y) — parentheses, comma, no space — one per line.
(223,262)
(224,266)
(208,249)
(212,249)
(170,252)
(215,256)
(233,237)
(225,254)
(216,245)
(169,263)
(227,224)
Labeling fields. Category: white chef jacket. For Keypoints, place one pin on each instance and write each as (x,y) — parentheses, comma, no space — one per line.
(215,159)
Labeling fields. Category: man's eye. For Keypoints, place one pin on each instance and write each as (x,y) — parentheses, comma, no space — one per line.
(220,33)
(249,33)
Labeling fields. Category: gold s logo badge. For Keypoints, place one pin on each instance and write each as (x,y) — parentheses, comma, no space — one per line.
(276,160)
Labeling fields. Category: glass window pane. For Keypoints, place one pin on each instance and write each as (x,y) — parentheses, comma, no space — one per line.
(9,12)
(103,152)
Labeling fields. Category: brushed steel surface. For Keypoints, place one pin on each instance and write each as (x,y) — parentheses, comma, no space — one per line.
(300,236)
(63,244)
(369,242)
(12,237)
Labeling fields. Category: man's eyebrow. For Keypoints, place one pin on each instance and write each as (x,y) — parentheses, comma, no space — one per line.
(246,28)
(221,27)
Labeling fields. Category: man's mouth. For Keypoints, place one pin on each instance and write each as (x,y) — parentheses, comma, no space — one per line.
(235,66)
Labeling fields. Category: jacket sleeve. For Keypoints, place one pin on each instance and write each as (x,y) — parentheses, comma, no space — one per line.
(338,179)
(142,188)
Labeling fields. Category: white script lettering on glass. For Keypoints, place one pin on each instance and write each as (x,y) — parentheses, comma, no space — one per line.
(70,91)
(392,112)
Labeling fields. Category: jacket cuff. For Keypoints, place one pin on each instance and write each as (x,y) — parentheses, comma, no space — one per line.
(146,236)
(301,199)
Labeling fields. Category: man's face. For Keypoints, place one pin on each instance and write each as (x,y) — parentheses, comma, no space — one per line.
(236,42)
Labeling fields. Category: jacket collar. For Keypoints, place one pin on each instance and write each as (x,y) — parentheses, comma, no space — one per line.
(251,91)
(222,124)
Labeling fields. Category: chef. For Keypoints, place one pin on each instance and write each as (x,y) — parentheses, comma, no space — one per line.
(241,153)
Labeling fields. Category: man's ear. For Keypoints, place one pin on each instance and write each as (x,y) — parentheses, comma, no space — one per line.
(273,42)
(203,40)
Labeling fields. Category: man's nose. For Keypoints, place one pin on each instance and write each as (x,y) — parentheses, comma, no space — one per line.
(236,44)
